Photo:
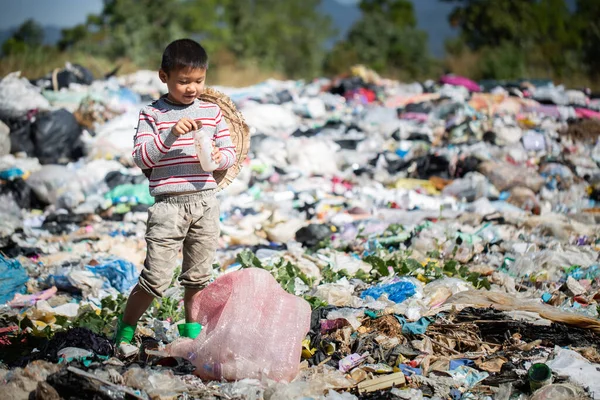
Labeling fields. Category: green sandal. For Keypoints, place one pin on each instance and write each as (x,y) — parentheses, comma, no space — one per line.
(189,330)
(125,332)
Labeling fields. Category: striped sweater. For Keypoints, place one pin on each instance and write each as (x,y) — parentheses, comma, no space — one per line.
(173,161)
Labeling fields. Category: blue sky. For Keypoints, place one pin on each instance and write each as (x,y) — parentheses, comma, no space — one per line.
(432,15)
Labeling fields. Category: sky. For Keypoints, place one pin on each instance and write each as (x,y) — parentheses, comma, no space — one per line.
(432,15)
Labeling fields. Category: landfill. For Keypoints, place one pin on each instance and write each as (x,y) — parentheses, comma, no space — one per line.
(427,240)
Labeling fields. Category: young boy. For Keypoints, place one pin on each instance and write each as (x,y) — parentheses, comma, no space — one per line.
(186,211)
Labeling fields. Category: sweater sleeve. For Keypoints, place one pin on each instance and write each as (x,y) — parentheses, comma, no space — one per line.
(223,142)
(149,143)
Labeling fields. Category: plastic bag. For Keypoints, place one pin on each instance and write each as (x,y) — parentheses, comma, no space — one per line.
(472,187)
(506,176)
(577,368)
(12,279)
(4,139)
(397,291)
(252,328)
(57,185)
(121,274)
(18,96)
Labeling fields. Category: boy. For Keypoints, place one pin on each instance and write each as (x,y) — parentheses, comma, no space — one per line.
(186,211)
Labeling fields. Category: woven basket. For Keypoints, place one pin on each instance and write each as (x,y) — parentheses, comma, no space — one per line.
(239,130)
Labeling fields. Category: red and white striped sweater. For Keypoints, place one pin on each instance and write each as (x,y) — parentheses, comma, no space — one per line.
(173,160)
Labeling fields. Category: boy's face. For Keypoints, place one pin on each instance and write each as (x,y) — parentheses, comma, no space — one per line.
(185,84)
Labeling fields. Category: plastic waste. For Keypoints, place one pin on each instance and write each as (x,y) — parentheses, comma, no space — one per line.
(263,338)
(69,354)
(4,139)
(467,377)
(352,361)
(407,394)
(203,141)
(349,314)
(18,96)
(506,176)
(396,292)
(57,138)
(573,365)
(20,301)
(534,141)
(158,384)
(10,214)
(472,187)
(558,391)
(416,328)
(131,194)
(121,274)
(57,185)
(13,278)
(337,294)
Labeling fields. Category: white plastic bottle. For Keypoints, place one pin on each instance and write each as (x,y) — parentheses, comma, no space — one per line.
(204,144)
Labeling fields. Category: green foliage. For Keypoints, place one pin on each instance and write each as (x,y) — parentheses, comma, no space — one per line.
(28,35)
(504,62)
(167,309)
(283,271)
(521,38)
(287,36)
(386,39)
(587,22)
(111,308)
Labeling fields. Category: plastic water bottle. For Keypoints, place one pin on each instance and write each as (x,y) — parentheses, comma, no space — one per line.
(203,142)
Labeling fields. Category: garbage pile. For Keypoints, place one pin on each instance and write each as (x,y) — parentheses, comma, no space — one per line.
(445,235)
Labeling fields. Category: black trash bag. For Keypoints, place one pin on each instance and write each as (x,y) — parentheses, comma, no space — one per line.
(312,235)
(82,338)
(116,178)
(466,165)
(57,138)
(74,73)
(22,193)
(20,135)
(432,165)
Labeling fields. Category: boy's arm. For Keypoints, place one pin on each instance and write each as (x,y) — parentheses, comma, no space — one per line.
(223,142)
(150,144)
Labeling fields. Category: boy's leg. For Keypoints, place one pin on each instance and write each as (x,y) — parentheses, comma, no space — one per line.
(199,249)
(138,302)
(165,232)
(188,298)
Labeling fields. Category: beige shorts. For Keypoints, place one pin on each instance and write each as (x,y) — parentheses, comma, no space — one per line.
(191,220)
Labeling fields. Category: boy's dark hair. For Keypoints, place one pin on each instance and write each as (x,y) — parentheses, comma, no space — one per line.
(184,53)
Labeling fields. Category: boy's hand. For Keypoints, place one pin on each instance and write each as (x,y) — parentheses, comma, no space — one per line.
(183,126)
(216,155)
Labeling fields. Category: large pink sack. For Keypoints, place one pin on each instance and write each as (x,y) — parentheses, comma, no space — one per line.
(252,328)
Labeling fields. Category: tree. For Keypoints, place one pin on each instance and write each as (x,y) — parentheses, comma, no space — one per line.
(537,34)
(288,36)
(492,22)
(386,39)
(28,35)
(587,21)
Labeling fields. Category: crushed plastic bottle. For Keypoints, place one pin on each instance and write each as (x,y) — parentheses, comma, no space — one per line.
(203,141)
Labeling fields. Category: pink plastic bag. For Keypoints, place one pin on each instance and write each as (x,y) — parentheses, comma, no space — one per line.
(252,328)
(460,81)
